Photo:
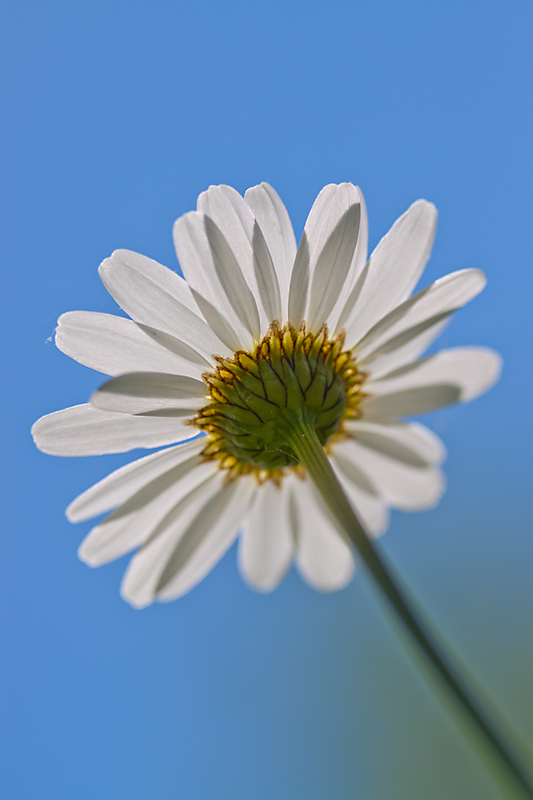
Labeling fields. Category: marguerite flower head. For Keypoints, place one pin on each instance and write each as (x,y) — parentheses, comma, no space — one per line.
(279,376)
(262,350)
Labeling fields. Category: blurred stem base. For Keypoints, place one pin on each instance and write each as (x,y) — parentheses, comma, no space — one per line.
(306,445)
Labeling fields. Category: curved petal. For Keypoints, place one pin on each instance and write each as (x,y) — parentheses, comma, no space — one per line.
(457,374)
(407,442)
(156,296)
(123,483)
(133,522)
(418,313)
(325,255)
(393,269)
(363,497)
(233,217)
(275,223)
(188,542)
(399,484)
(207,539)
(115,345)
(141,577)
(217,282)
(342,311)
(152,393)
(407,347)
(410,402)
(266,545)
(86,431)
(323,557)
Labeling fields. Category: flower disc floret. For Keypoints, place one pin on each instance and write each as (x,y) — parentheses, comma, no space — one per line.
(256,398)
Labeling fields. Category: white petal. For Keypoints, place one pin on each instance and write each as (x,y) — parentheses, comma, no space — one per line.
(276,226)
(207,539)
(324,559)
(398,484)
(361,493)
(393,269)
(409,442)
(142,575)
(225,206)
(158,297)
(121,484)
(458,374)
(152,393)
(424,310)
(188,541)
(216,280)
(342,311)
(114,345)
(410,402)
(266,545)
(325,255)
(413,347)
(87,431)
(134,521)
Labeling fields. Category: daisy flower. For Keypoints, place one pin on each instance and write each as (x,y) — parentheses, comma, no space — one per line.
(263,340)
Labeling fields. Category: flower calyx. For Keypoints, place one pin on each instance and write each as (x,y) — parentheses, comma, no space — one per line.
(256,399)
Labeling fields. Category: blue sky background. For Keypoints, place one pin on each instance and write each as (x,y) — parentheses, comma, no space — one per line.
(116,115)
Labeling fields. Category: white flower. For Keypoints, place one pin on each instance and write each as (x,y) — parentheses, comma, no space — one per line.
(183,506)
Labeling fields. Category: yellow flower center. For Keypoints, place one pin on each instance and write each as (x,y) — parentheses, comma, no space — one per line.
(255,395)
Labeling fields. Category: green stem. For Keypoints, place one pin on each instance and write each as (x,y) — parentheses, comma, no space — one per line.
(305,443)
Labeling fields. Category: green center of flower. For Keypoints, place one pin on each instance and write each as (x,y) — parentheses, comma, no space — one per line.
(255,398)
